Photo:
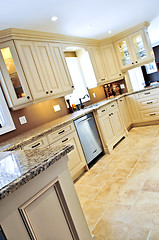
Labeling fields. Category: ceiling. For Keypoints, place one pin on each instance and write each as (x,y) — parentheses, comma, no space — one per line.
(81,18)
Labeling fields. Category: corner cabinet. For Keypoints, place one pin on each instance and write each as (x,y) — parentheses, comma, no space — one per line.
(45,68)
(12,78)
(134,49)
(110,62)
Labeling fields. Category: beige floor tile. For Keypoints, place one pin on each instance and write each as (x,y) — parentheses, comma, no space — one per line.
(87,192)
(93,211)
(151,186)
(89,175)
(122,173)
(102,177)
(105,230)
(150,155)
(145,211)
(154,235)
(121,163)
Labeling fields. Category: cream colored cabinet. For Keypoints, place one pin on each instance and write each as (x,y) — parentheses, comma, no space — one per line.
(65,136)
(98,65)
(42,142)
(110,125)
(135,49)
(44,68)
(133,109)
(110,62)
(12,77)
(124,112)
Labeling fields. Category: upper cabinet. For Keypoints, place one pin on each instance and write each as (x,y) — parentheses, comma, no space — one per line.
(12,77)
(45,68)
(134,50)
(110,62)
(98,65)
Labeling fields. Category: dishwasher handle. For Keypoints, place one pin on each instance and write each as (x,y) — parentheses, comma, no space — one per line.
(85,120)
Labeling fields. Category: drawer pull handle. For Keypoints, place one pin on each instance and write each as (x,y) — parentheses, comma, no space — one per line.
(94,151)
(61,132)
(147,93)
(121,100)
(64,140)
(149,102)
(152,114)
(103,110)
(103,79)
(112,105)
(36,145)
(110,114)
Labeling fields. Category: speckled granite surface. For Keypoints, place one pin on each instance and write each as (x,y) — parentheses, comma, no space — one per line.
(18,167)
(45,129)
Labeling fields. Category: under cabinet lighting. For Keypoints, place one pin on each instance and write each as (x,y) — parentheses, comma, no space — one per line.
(109,31)
(54,19)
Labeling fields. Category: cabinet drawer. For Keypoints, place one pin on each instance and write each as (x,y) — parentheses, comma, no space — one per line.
(60,133)
(112,106)
(148,102)
(103,110)
(149,115)
(148,93)
(42,142)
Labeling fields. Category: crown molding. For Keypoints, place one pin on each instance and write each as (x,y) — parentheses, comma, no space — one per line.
(22,34)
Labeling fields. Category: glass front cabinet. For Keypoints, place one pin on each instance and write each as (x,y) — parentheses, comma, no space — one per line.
(134,49)
(12,77)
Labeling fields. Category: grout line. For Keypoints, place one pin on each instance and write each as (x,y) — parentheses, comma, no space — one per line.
(148,237)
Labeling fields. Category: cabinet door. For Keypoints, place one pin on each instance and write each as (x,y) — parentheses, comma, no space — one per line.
(140,47)
(12,76)
(32,70)
(124,112)
(98,66)
(76,157)
(110,62)
(107,129)
(133,109)
(48,67)
(59,64)
(117,122)
(124,53)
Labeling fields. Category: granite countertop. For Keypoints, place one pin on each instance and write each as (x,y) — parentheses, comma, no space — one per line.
(45,129)
(18,167)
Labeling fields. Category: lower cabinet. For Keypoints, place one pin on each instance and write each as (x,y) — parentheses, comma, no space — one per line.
(77,163)
(110,125)
(124,112)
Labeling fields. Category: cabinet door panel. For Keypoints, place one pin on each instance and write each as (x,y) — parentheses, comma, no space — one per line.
(110,62)
(124,112)
(107,129)
(117,122)
(60,66)
(47,65)
(33,73)
(12,76)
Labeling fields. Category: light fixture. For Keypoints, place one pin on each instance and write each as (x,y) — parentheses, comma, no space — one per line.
(89,26)
(54,18)
(109,31)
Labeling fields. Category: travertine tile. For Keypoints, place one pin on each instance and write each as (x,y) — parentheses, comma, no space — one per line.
(122,173)
(87,192)
(154,235)
(105,230)
(151,186)
(102,177)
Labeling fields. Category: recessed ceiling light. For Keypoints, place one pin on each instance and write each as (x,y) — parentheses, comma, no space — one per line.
(109,31)
(54,18)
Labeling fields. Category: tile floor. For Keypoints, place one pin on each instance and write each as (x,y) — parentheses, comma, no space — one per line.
(119,195)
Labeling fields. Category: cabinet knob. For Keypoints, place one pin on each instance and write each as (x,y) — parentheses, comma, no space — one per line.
(51,91)
(136,61)
(110,114)
(132,63)
(103,79)
(72,86)
(119,74)
(47,92)
(28,97)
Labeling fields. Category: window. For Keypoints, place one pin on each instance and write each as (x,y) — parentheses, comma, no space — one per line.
(78,80)
(136,78)
(6,122)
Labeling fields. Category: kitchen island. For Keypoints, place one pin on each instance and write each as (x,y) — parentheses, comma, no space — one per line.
(37,196)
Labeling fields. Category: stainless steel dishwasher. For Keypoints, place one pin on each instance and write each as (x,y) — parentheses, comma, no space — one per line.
(89,136)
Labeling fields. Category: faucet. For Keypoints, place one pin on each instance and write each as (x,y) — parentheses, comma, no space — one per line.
(80,99)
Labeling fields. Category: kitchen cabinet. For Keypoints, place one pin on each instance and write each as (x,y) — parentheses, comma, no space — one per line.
(124,112)
(133,110)
(110,62)
(12,77)
(110,125)
(98,65)
(134,49)
(45,68)
(41,142)
(67,135)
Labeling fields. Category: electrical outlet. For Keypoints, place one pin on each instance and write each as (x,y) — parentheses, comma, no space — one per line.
(57,108)
(22,120)
(122,86)
(94,95)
